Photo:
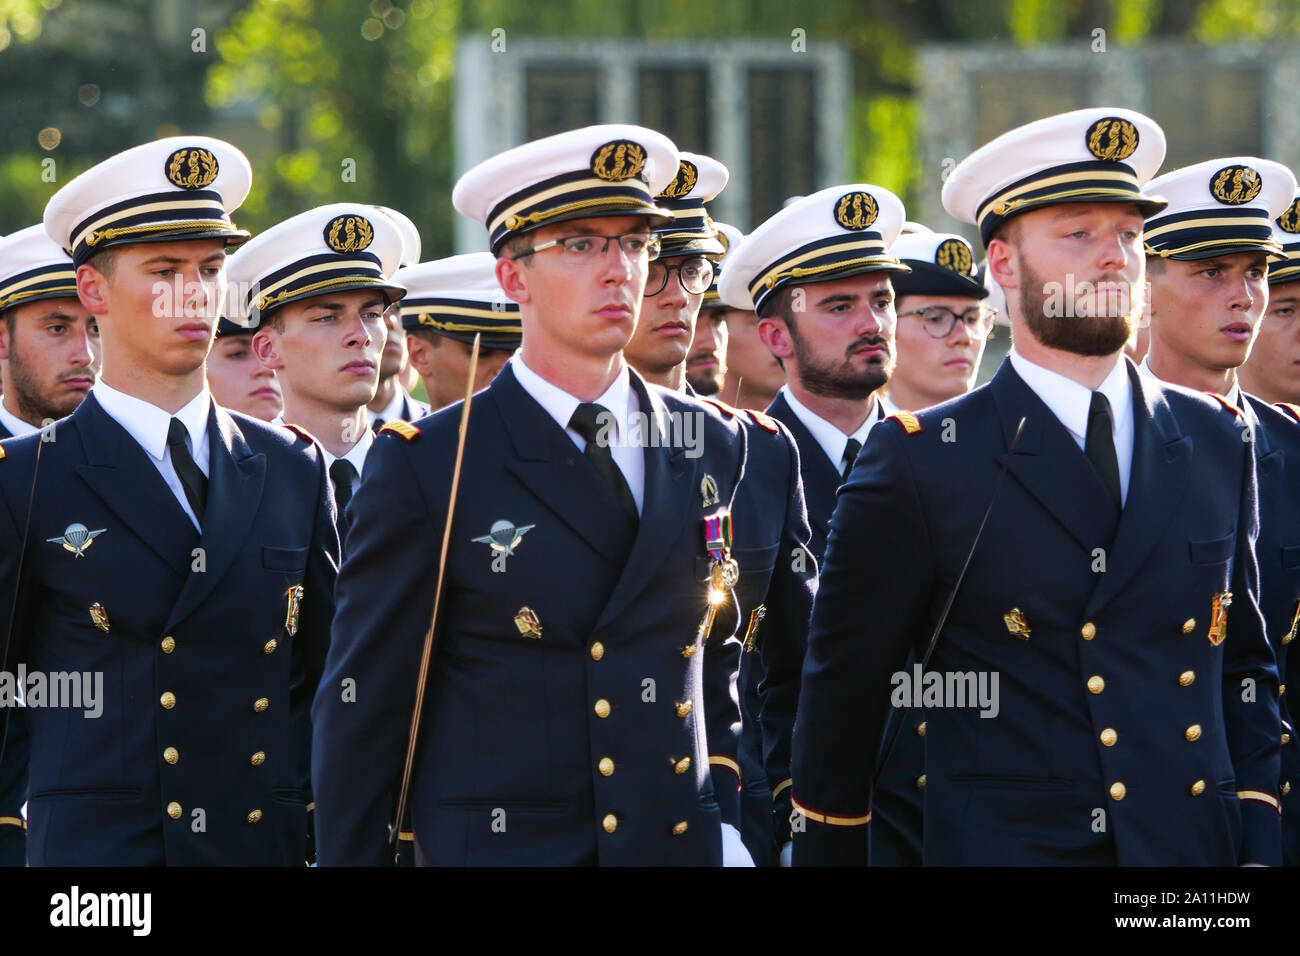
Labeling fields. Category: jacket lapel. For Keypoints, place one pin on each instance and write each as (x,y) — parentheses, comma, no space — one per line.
(119,472)
(542,450)
(1049,464)
(1157,484)
(820,479)
(670,479)
(235,479)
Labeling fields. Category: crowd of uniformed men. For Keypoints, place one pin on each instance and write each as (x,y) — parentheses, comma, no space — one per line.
(703,571)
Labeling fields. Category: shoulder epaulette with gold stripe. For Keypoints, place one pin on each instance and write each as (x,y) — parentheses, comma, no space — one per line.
(300,432)
(403,429)
(1294,410)
(720,406)
(911,424)
(1225,403)
(764,421)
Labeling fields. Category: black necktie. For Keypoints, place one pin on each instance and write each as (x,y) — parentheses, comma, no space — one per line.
(192,479)
(851,451)
(1099,446)
(587,421)
(344,475)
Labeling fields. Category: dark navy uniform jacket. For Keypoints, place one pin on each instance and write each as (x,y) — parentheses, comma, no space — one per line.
(13,777)
(1123,733)
(896,836)
(580,737)
(777,581)
(1277,455)
(200,755)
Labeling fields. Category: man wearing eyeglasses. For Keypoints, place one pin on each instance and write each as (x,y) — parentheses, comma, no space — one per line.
(943,323)
(564,718)
(677,280)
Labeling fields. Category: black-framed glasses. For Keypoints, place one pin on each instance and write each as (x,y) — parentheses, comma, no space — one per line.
(695,274)
(584,248)
(939,322)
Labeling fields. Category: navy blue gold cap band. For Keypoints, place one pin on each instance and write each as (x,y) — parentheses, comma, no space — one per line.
(1202,233)
(54,281)
(459,318)
(157,217)
(834,257)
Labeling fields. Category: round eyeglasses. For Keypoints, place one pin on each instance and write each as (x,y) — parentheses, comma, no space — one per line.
(939,322)
(695,275)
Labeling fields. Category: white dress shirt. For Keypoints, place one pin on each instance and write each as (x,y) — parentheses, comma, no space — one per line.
(833,441)
(394,409)
(17,427)
(356,455)
(1233,396)
(621,400)
(148,425)
(1070,403)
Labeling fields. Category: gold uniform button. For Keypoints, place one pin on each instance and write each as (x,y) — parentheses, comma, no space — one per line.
(1286,787)
(270,646)
(679,828)
(597,651)
(1186,677)
(1288,639)
(168,700)
(682,765)
(1198,788)
(1286,738)
(1193,732)
(920,782)
(1096,684)
(1117,790)
(689,650)
(684,707)
(610,823)
(260,705)
(1088,631)
(606,766)
(171,755)
(1281,690)
(920,729)
(602,708)
(174,810)
(168,644)
(1108,737)
(1189,625)
(258,758)
(254,816)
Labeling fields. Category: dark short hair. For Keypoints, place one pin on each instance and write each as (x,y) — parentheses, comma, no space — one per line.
(516,244)
(1007,231)
(1157,261)
(779,305)
(426,335)
(104,261)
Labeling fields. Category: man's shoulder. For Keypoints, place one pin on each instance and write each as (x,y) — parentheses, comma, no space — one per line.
(1281,426)
(278,442)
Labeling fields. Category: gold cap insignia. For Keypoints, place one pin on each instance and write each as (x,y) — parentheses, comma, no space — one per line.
(191,168)
(619,160)
(856,210)
(1289,221)
(1235,185)
(1016,624)
(1219,617)
(349,233)
(1112,138)
(529,624)
(687,175)
(708,491)
(99,617)
(955,255)
(293,609)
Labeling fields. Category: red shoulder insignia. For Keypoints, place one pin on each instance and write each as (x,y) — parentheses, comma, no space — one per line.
(1294,411)
(764,421)
(1225,403)
(300,432)
(721,406)
(398,427)
(911,424)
